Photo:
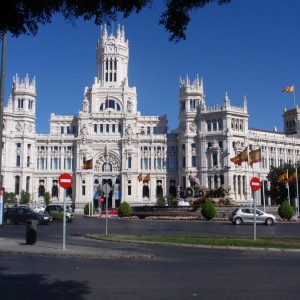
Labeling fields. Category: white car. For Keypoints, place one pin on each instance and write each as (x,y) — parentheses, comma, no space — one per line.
(246,215)
(39,209)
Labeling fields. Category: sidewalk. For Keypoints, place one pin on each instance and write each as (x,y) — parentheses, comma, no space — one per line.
(18,246)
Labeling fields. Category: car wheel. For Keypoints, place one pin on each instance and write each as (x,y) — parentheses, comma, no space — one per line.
(8,221)
(269,221)
(238,221)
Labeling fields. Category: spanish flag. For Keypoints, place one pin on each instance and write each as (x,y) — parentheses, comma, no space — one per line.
(140,177)
(147,178)
(283,177)
(254,156)
(236,160)
(289,89)
(293,177)
(243,156)
(88,164)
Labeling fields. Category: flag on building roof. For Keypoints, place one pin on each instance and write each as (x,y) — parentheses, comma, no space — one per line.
(140,177)
(293,177)
(88,164)
(254,156)
(282,177)
(288,89)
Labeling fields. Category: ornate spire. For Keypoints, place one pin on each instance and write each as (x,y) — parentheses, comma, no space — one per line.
(226,99)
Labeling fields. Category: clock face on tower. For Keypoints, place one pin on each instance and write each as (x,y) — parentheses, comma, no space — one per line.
(111,48)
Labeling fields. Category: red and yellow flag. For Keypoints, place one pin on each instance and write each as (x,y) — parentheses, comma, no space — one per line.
(243,156)
(87,165)
(140,177)
(292,178)
(254,156)
(282,177)
(289,89)
(147,178)
(236,160)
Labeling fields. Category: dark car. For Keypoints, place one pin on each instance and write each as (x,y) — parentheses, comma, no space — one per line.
(16,215)
(57,212)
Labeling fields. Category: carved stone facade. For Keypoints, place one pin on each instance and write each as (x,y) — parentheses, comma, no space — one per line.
(134,154)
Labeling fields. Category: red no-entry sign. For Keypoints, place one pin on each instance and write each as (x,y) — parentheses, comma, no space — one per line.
(255,184)
(65,180)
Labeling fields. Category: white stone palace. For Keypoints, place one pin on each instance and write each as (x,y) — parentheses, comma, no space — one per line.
(135,155)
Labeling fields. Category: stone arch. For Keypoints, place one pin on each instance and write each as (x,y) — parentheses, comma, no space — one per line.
(107,161)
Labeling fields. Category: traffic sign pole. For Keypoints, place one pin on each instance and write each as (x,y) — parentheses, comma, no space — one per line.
(65,181)
(255,185)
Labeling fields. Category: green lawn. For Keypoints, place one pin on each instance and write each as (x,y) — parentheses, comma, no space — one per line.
(261,242)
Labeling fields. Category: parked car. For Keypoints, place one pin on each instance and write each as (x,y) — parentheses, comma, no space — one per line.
(39,209)
(16,215)
(246,215)
(57,212)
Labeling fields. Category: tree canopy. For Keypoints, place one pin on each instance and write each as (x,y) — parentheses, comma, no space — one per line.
(25,16)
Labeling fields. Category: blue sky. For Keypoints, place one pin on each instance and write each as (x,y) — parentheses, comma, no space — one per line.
(247,48)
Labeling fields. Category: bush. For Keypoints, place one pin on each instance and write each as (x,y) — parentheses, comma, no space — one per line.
(124,210)
(88,209)
(161,201)
(25,198)
(208,210)
(47,198)
(286,211)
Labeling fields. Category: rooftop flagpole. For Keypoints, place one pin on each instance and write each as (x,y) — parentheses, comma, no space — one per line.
(294,96)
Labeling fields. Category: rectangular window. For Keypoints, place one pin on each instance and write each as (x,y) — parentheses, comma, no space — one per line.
(113,128)
(183,161)
(220,125)
(95,128)
(194,161)
(18,161)
(107,128)
(101,128)
(129,162)
(183,105)
(215,159)
(214,125)
(62,130)
(208,126)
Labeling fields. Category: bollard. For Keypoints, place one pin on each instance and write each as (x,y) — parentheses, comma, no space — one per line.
(31,232)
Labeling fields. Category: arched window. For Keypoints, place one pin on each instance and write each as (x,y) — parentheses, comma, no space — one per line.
(110,104)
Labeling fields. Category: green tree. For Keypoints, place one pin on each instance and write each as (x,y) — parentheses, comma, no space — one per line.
(124,210)
(25,16)
(278,190)
(286,211)
(25,198)
(9,198)
(47,198)
(161,201)
(208,210)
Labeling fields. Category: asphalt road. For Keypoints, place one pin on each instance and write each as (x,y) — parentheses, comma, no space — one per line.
(176,273)
(173,272)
